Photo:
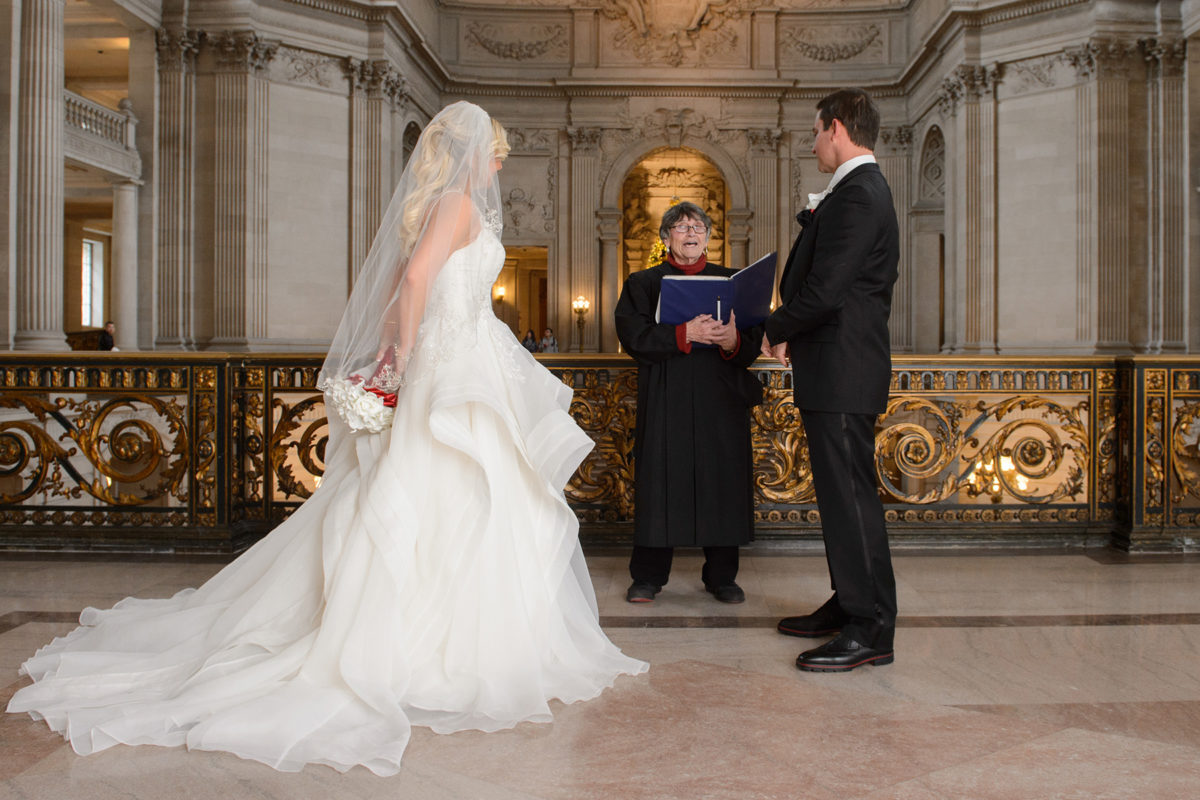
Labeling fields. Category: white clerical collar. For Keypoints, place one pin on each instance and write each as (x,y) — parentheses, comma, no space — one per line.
(844,169)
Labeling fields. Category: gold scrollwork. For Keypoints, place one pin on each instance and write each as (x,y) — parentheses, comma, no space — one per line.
(1185,450)
(124,452)
(1155,453)
(922,441)
(309,446)
(607,411)
(781,471)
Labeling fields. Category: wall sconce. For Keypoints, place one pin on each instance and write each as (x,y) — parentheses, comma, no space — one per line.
(580,306)
(498,294)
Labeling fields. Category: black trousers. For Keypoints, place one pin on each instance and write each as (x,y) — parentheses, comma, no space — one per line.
(653,565)
(842,450)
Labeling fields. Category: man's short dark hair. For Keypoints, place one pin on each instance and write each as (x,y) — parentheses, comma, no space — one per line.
(857,112)
(681,211)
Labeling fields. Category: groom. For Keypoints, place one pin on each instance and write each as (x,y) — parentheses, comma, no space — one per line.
(831,323)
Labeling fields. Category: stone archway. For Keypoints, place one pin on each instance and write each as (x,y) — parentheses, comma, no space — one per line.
(662,178)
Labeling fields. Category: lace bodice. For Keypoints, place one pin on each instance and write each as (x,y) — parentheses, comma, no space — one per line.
(461,299)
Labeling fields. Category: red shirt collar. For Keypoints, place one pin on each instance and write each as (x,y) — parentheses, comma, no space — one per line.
(688,269)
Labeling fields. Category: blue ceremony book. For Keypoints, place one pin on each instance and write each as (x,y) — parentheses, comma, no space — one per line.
(748,292)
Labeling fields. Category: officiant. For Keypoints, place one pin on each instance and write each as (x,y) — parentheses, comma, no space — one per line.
(693,466)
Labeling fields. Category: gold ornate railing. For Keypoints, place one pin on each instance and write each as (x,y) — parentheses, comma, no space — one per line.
(207,452)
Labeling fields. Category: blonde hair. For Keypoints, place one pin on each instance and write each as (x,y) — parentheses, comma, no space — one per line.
(438,164)
(500,146)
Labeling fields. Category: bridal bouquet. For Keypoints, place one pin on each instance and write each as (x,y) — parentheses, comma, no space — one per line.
(363,408)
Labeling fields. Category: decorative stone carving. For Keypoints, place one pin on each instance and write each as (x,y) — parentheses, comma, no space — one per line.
(1103,58)
(932,181)
(524,213)
(584,140)
(1164,58)
(829,44)
(764,142)
(177,49)
(532,140)
(673,32)
(376,78)
(527,44)
(1032,74)
(897,140)
(967,82)
(242,51)
(305,68)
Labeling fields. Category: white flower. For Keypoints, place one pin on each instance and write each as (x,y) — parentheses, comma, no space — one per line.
(361,410)
(814,199)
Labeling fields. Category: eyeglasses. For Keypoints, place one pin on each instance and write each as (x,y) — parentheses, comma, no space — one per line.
(685,228)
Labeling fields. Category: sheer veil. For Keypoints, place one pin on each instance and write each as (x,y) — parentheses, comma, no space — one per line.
(448,195)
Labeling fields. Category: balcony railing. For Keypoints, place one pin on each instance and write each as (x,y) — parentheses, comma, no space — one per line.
(101,137)
(207,452)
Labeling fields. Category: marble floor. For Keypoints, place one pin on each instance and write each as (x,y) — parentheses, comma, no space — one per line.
(1017,675)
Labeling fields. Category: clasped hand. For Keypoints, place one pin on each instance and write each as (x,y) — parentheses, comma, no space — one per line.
(705,329)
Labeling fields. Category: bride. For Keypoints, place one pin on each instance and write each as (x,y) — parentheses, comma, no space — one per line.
(435,578)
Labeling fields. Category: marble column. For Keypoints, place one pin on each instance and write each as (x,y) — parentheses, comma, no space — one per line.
(970,94)
(764,191)
(375,88)
(40,193)
(10,28)
(240,181)
(609,229)
(738,220)
(894,152)
(1104,173)
(176,183)
(1167,202)
(585,272)
(123,288)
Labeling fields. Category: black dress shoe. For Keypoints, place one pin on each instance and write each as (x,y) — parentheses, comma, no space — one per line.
(728,593)
(642,592)
(825,621)
(842,655)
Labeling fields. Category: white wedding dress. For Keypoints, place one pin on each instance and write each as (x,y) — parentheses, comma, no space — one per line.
(435,578)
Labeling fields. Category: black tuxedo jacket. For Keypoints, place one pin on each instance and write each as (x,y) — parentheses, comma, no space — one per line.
(836,294)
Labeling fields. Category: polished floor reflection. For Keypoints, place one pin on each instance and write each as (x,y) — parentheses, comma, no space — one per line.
(1016,676)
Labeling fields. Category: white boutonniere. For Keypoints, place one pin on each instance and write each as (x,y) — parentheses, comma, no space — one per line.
(815,199)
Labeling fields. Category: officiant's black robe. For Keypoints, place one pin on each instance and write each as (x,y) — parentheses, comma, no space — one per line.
(693,466)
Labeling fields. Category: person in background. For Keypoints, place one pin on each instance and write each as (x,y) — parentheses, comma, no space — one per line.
(106,336)
(549,343)
(529,342)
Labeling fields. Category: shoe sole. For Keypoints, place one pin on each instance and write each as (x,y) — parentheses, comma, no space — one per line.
(807,634)
(639,599)
(874,661)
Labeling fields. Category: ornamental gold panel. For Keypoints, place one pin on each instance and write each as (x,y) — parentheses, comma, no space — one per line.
(205,452)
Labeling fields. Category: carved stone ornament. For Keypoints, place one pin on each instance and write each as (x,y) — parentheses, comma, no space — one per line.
(831,44)
(764,142)
(931,185)
(1103,58)
(674,31)
(376,78)
(177,48)
(1031,74)
(533,43)
(585,140)
(968,82)
(306,68)
(242,51)
(1165,58)
(532,140)
(897,139)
